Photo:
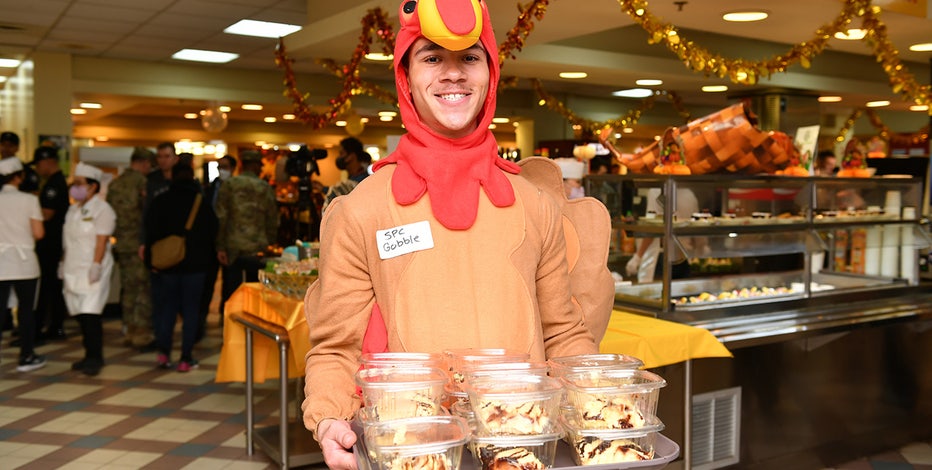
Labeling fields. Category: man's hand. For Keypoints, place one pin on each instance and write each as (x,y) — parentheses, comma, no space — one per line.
(93,274)
(633,264)
(222,258)
(336,438)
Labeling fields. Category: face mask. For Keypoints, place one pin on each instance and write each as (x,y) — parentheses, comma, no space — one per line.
(78,193)
(224,174)
(341,163)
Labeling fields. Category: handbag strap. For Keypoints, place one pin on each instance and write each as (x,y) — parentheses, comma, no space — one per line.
(193,213)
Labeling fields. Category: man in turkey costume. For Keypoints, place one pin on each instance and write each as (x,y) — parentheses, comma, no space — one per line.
(445,246)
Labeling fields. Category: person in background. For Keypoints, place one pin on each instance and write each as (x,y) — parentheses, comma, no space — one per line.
(226,166)
(248,224)
(353,159)
(573,171)
(178,289)
(497,239)
(157,182)
(9,147)
(88,262)
(127,195)
(20,226)
(825,164)
(53,197)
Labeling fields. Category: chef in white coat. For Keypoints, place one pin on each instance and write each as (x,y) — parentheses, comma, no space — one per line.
(88,262)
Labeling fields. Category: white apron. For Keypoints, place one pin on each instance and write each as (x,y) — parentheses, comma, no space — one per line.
(79,241)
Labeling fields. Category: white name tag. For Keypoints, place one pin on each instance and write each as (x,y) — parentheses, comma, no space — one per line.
(404,239)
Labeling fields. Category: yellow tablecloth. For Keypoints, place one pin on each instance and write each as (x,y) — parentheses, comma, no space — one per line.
(275,308)
(658,342)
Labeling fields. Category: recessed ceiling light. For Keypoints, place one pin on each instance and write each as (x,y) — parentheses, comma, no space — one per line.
(515,123)
(340,123)
(501,120)
(262,29)
(91,105)
(919,107)
(648,82)
(627,130)
(388,113)
(386,118)
(10,63)
(260,143)
(877,104)
(252,107)
(269,119)
(492,126)
(225,109)
(745,16)
(379,56)
(198,55)
(633,93)
(101,138)
(190,115)
(853,34)
(78,111)
(288,117)
(714,88)
(364,120)
(921,47)
(573,75)
(829,99)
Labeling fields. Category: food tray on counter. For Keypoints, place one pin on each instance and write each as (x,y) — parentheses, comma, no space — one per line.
(665,451)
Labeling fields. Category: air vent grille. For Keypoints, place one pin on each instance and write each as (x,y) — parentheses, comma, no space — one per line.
(716,423)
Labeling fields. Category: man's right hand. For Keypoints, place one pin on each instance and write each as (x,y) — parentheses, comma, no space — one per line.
(222,258)
(336,439)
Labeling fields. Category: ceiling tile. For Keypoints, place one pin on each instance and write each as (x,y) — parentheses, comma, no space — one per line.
(277,15)
(148,5)
(89,24)
(175,31)
(76,36)
(166,44)
(112,13)
(135,53)
(298,6)
(212,9)
(193,22)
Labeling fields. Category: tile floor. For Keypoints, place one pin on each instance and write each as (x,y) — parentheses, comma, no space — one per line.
(134,415)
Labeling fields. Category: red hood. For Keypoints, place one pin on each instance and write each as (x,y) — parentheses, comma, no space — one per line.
(449,170)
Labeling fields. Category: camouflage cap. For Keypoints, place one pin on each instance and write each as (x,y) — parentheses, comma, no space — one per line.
(142,153)
(250,156)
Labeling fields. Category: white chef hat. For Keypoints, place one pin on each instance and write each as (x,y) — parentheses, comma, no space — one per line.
(571,168)
(10,165)
(89,171)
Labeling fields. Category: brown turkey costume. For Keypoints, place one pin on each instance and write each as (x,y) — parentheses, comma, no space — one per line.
(444,246)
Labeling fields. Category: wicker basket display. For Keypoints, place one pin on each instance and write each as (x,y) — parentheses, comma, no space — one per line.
(723,142)
(291,285)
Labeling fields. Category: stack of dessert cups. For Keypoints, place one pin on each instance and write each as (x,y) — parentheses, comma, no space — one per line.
(516,419)
(610,415)
(402,421)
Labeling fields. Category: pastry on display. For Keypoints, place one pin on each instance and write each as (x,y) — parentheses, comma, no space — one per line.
(514,458)
(611,413)
(508,418)
(405,404)
(591,450)
(420,462)
(735,294)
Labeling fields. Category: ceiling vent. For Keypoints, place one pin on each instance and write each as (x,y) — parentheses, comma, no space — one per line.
(716,429)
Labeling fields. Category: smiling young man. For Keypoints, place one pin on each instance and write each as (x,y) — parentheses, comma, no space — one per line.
(445,245)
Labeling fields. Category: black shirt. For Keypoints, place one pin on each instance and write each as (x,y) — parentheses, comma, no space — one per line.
(53,195)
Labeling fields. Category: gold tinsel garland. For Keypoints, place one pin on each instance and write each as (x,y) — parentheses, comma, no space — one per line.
(374,23)
(588,126)
(515,38)
(884,131)
(749,72)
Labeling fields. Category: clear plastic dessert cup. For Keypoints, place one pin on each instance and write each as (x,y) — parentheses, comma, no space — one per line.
(517,405)
(560,366)
(535,452)
(612,446)
(427,442)
(505,369)
(612,398)
(401,392)
(400,359)
(457,360)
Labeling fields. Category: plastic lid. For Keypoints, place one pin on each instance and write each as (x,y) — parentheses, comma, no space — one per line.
(418,436)
(562,365)
(613,381)
(400,377)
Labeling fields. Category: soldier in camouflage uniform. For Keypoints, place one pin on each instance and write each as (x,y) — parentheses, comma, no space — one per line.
(248,216)
(126,195)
